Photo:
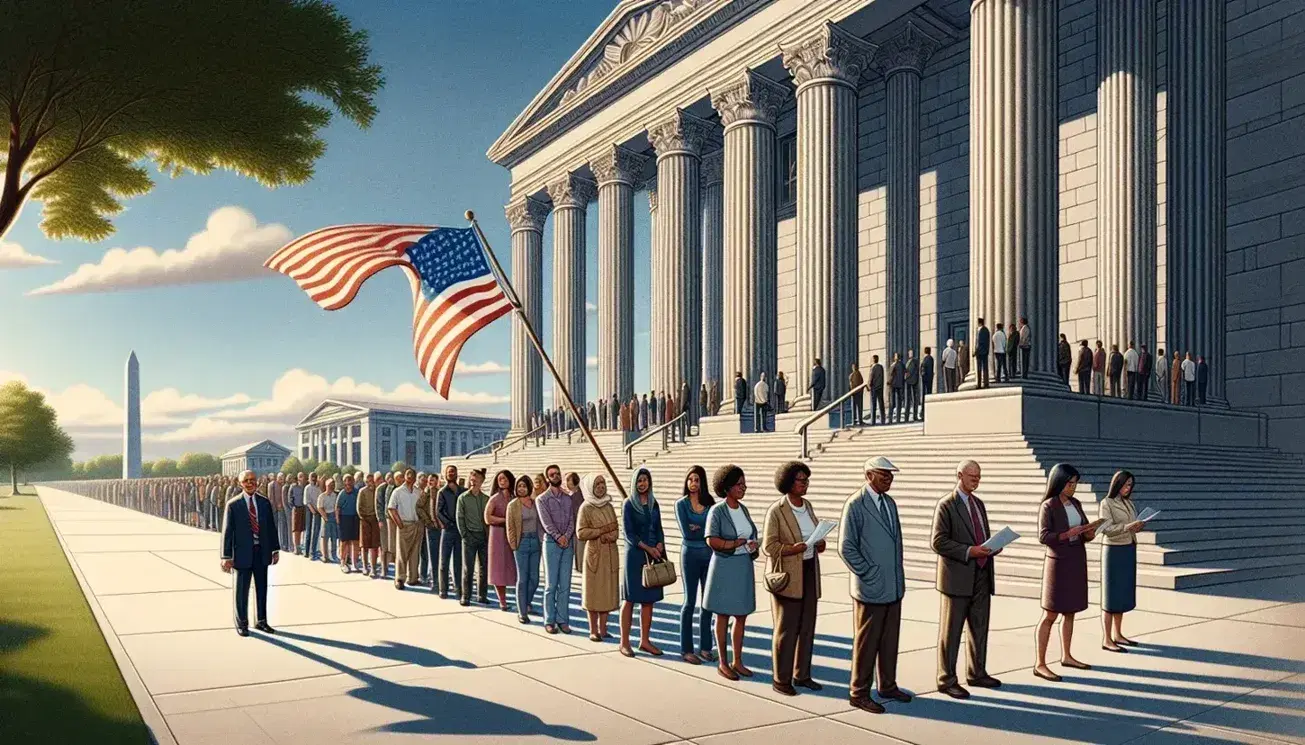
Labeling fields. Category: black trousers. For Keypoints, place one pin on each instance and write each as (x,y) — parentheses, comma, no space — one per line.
(999,368)
(1114,386)
(817,395)
(258,573)
(858,408)
(1085,381)
(1130,384)
(1201,394)
(877,400)
(981,369)
(1025,352)
(912,404)
(898,399)
(1062,369)
(1140,386)
(927,388)
(474,550)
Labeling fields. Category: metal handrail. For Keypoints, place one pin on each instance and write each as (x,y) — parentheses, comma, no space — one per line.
(801,429)
(661,428)
(497,446)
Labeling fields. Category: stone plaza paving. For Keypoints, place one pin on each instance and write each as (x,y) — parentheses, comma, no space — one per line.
(356,661)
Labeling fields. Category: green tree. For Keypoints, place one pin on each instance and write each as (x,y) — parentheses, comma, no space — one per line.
(147,469)
(398,467)
(199,464)
(103,467)
(165,468)
(93,88)
(326,469)
(29,431)
(292,466)
(309,465)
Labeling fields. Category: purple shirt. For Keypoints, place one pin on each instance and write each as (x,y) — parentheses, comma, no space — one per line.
(555,514)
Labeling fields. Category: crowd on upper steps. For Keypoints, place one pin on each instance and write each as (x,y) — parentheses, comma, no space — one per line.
(459,536)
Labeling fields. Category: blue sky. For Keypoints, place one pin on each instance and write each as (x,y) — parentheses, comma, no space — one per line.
(456,73)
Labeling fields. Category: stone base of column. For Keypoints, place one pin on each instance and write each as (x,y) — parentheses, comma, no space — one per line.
(1030,410)
(1049,381)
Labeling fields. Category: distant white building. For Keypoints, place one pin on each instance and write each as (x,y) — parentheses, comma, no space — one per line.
(263,456)
(372,435)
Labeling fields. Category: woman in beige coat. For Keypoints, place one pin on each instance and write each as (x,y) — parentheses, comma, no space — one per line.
(795,602)
(597,528)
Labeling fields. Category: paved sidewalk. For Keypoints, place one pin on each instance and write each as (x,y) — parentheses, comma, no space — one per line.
(356,661)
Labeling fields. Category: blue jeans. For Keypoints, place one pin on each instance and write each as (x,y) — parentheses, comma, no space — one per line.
(527,559)
(429,562)
(311,535)
(450,558)
(694,561)
(557,588)
(332,539)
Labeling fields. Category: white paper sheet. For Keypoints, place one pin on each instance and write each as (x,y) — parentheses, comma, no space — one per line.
(1002,539)
(822,530)
(1147,513)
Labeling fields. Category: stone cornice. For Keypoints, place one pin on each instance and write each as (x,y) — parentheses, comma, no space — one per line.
(682,133)
(526,213)
(830,54)
(908,51)
(754,98)
(712,169)
(618,164)
(572,191)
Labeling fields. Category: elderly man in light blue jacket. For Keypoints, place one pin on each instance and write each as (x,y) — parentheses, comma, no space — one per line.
(872,548)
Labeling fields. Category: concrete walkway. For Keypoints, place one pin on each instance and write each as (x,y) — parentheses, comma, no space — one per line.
(356,661)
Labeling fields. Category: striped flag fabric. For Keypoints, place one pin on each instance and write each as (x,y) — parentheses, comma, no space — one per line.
(454,292)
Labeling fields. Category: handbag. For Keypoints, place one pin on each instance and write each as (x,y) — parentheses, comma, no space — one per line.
(776,580)
(658,573)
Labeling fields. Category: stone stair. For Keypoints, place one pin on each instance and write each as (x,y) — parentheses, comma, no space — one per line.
(1229,514)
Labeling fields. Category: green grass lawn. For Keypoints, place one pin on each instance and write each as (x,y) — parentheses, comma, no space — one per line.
(58,680)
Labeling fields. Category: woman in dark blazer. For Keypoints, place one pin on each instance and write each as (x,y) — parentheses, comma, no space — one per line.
(1063,528)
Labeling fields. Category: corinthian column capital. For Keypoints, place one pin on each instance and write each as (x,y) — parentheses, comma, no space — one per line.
(617,164)
(572,191)
(754,98)
(526,213)
(682,133)
(909,50)
(712,171)
(830,53)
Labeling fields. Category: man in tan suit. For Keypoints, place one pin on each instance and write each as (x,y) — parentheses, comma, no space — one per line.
(965,579)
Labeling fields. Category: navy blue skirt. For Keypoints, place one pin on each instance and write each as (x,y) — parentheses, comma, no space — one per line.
(1119,578)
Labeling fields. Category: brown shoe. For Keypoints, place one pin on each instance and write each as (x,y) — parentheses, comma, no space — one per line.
(783,688)
(809,684)
(955,691)
(743,671)
(986,681)
(727,673)
(864,703)
(896,694)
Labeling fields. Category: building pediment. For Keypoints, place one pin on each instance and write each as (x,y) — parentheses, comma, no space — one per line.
(637,40)
(330,409)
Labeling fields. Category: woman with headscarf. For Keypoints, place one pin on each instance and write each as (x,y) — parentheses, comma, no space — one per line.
(731,586)
(1118,560)
(597,530)
(695,558)
(641,521)
(525,534)
(502,565)
(1063,528)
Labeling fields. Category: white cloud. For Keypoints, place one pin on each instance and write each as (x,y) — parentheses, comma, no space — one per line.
(172,401)
(7,376)
(489,367)
(232,246)
(591,362)
(209,429)
(14,256)
(590,307)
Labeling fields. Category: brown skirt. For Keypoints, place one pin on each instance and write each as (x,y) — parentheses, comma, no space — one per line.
(369,531)
(298,519)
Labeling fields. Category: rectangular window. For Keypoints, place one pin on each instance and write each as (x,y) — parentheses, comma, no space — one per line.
(428,453)
(787,192)
(304,452)
(385,431)
(387,458)
(303,437)
(464,444)
(428,433)
(356,430)
(412,433)
(410,453)
(357,453)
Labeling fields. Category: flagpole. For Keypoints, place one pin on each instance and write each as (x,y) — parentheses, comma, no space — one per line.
(539,347)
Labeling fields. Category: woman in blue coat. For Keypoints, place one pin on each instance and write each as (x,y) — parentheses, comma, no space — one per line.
(731,585)
(641,522)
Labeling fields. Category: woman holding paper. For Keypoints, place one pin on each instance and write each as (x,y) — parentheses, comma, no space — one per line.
(1063,528)
(793,578)
(1118,560)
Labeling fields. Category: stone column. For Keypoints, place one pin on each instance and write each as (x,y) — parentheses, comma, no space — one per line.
(526,218)
(617,170)
(1014,194)
(1126,174)
(748,110)
(712,247)
(1195,300)
(677,278)
(901,61)
(826,68)
(656,262)
(571,196)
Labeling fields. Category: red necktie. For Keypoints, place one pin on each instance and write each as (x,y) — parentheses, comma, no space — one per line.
(253,518)
(977,523)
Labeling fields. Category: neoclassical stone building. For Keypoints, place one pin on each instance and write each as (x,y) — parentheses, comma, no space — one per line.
(842,178)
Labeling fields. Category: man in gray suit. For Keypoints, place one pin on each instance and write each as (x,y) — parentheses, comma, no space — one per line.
(965,579)
(872,549)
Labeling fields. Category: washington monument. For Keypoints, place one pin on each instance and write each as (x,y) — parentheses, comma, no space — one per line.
(131,421)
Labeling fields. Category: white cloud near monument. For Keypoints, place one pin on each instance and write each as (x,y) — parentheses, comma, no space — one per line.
(232,246)
(14,256)
(488,367)
(212,430)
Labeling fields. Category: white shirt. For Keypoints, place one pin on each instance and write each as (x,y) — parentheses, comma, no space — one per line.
(1130,360)
(311,493)
(1072,519)
(742,528)
(1161,367)
(949,358)
(404,500)
(1189,371)
(761,393)
(327,502)
(999,342)
(875,497)
(806,525)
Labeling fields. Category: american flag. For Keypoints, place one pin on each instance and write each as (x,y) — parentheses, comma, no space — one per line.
(454,292)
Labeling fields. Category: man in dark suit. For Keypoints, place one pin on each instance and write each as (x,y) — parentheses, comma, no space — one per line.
(877,390)
(926,375)
(1084,367)
(1142,381)
(912,385)
(896,384)
(982,346)
(780,392)
(817,385)
(250,545)
(965,579)
(854,381)
(1114,368)
(1202,378)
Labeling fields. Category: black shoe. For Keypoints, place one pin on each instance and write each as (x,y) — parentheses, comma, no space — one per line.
(444,596)
(897,694)
(865,703)
(955,691)
(243,631)
(986,681)
(809,684)
(464,603)
(264,627)
(783,688)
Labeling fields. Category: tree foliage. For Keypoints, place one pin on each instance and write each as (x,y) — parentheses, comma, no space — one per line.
(94,88)
(325,469)
(398,467)
(199,464)
(29,431)
(292,466)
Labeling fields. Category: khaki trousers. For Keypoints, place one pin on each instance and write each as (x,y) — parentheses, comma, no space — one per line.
(875,630)
(411,536)
(795,629)
(971,613)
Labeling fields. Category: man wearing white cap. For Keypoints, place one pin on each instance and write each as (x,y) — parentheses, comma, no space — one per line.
(872,549)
